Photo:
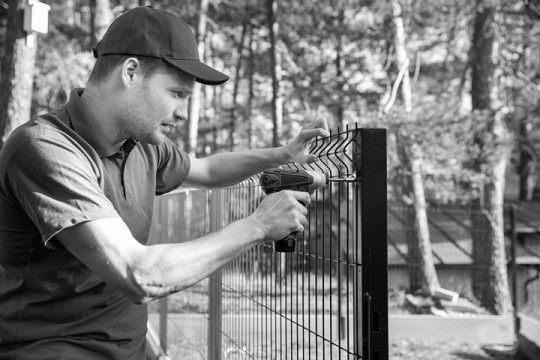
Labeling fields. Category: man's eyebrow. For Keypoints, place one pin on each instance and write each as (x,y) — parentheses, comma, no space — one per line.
(180,89)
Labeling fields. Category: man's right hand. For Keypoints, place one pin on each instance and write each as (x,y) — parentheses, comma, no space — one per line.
(281,213)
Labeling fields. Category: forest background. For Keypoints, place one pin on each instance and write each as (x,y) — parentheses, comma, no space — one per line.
(455,83)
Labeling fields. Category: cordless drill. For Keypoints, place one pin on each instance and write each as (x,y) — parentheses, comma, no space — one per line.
(274,180)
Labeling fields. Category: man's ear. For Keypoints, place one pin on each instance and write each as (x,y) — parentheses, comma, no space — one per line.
(131,68)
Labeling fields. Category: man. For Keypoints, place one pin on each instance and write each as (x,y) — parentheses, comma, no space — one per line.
(76,198)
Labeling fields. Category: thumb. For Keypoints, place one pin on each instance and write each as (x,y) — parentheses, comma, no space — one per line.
(311,158)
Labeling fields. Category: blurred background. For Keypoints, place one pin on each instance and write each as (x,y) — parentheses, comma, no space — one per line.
(455,83)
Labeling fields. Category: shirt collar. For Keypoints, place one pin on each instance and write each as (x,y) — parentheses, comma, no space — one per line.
(83,122)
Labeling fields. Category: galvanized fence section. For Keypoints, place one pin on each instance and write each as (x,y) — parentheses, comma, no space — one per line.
(328,300)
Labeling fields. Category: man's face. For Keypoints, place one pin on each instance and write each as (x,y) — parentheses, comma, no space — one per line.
(156,104)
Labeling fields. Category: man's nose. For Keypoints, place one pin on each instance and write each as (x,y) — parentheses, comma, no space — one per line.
(181,111)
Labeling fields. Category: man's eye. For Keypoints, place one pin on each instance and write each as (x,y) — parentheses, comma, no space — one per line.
(179,94)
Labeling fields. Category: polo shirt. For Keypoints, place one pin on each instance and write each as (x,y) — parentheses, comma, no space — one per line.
(57,171)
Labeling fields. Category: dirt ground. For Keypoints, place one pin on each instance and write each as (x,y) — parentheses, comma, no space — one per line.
(399,350)
(433,350)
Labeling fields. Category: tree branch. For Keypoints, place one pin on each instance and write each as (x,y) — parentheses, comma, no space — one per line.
(395,88)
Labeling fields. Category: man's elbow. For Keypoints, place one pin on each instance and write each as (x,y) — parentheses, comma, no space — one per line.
(141,291)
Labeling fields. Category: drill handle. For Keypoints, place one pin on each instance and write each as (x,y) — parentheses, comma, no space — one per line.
(287,244)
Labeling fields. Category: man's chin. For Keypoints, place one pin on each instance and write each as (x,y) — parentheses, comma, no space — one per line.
(157,139)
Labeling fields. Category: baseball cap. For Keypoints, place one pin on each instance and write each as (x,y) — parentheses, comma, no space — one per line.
(146,31)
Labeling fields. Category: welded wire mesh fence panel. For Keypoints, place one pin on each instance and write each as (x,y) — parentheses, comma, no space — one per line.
(294,305)
(327,300)
(181,320)
(307,304)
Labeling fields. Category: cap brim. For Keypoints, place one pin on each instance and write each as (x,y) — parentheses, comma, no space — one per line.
(202,72)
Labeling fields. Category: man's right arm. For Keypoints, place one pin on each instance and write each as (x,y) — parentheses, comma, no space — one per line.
(144,273)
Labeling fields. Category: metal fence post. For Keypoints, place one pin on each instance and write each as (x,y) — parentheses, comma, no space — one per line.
(163,315)
(513,269)
(163,302)
(370,160)
(214,285)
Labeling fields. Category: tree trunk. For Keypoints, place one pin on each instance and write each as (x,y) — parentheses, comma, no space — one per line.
(100,18)
(69,12)
(17,69)
(277,96)
(401,55)
(216,105)
(420,264)
(427,273)
(195,100)
(275,63)
(490,281)
(527,163)
(340,118)
(249,107)
(422,273)
(234,113)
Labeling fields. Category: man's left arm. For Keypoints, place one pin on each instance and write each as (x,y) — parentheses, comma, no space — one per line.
(230,168)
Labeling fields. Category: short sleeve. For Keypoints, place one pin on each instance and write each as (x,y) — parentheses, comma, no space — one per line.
(173,167)
(55,181)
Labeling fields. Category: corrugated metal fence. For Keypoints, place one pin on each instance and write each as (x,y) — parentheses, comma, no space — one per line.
(328,300)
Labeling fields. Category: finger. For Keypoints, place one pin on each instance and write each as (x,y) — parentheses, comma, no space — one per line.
(301,224)
(303,221)
(308,134)
(311,158)
(321,123)
(301,196)
(303,210)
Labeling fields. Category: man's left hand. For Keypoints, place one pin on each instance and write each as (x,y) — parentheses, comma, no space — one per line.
(298,148)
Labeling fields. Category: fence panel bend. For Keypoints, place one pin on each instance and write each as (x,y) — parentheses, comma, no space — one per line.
(327,300)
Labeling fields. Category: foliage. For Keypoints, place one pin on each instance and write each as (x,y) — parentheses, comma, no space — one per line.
(336,58)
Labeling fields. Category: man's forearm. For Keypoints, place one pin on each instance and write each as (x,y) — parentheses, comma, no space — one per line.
(231,168)
(169,268)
